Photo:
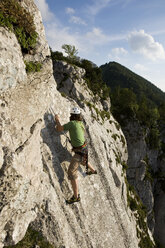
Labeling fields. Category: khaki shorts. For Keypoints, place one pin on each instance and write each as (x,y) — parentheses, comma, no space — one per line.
(73,167)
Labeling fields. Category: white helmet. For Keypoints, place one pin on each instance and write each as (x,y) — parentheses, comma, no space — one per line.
(75,111)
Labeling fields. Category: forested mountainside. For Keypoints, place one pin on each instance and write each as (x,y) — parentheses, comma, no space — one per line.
(134,97)
(116,75)
(133,94)
(139,107)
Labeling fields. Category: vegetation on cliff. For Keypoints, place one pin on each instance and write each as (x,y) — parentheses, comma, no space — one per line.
(18,20)
(31,239)
(115,75)
(139,211)
(33,66)
(134,97)
(93,76)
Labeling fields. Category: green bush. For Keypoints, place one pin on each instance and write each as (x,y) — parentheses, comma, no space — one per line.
(57,55)
(18,20)
(162,112)
(124,165)
(31,239)
(94,79)
(63,94)
(33,66)
(153,138)
(123,103)
(105,114)
(146,242)
(71,51)
(114,136)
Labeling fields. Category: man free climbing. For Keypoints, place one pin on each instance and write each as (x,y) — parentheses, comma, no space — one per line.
(77,135)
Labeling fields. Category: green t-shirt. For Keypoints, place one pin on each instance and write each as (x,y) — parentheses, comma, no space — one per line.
(76,131)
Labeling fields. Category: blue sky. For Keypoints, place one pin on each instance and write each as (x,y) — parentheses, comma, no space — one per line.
(130,32)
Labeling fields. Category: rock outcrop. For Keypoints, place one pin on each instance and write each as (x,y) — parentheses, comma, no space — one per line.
(34,157)
(138,162)
(159,195)
(146,173)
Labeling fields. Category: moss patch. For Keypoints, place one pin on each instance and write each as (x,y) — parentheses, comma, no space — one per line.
(63,94)
(123,140)
(125,166)
(102,114)
(33,66)
(31,239)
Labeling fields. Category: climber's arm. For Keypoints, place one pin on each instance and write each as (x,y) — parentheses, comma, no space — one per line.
(59,128)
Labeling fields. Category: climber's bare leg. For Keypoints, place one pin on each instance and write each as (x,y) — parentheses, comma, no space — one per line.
(91,167)
(74,184)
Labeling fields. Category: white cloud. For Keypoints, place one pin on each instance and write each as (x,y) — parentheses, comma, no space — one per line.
(69,10)
(119,51)
(74,19)
(96,36)
(97,6)
(47,15)
(140,68)
(145,44)
(93,43)
(77,20)
(58,35)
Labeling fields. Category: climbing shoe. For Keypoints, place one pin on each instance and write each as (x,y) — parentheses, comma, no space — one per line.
(91,173)
(73,199)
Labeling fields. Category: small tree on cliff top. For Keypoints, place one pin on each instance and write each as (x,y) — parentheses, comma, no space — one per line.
(70,50)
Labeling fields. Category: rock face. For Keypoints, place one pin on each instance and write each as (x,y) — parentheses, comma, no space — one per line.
(138,160)
(35,158)
(146,173)
(11,61)
(159,197)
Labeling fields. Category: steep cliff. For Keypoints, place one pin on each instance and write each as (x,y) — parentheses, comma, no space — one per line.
(138,172)
(34,157)
(146,173)
(139,106)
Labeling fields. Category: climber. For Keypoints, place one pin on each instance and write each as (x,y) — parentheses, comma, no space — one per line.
(77,135)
